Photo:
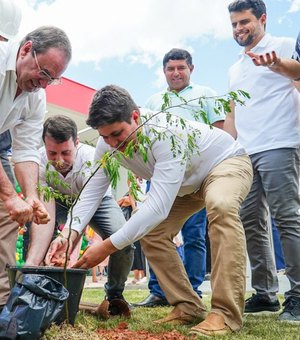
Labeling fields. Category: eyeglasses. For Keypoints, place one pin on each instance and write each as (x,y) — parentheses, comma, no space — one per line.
(45,75)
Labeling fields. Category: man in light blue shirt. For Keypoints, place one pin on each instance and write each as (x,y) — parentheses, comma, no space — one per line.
(178,67)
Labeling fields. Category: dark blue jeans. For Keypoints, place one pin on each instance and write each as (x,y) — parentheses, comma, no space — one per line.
(6,166)
(194,254)
(279,259)
(5,145)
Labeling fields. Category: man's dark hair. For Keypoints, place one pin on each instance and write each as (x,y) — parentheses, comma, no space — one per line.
(60,128)
(110,104)
(46,37)
(177,54)
(257,7)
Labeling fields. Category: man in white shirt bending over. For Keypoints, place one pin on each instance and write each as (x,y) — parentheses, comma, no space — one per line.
(190,165)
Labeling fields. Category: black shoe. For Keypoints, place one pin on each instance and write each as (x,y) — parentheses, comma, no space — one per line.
(260,303)
(291,311)
(152,301)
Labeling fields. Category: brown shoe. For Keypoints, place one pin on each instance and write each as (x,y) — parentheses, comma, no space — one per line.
(214,324)
(178,317)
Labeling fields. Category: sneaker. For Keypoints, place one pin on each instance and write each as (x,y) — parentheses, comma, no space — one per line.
(291,311)
(261,304)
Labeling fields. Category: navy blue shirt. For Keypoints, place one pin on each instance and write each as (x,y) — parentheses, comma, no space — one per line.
(5,141)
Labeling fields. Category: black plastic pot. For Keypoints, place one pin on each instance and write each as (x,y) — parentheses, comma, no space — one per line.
(74,284)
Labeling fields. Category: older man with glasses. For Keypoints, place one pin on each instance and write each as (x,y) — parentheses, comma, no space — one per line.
(45,73)
(10,20)
(26,69)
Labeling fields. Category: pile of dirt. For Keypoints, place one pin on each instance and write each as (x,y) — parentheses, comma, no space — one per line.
(123,333)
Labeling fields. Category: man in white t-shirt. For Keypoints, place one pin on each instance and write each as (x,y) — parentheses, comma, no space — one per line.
(268,126)
(190,165)
(65,167)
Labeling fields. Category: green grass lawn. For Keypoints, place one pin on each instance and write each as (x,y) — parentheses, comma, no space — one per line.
(255,327)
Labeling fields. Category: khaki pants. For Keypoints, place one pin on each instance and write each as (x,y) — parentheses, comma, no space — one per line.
(8,238)
(222,192)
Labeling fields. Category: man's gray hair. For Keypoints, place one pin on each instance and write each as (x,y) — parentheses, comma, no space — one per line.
(46,37)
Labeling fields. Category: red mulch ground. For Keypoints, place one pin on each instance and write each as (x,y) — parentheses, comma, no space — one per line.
(123,333)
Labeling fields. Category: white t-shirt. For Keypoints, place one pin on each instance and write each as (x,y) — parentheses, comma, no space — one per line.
(270,119)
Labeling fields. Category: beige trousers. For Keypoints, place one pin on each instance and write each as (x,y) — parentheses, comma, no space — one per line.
(8,238)
(222,193)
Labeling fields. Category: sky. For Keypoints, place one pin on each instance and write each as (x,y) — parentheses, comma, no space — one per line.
(123,42)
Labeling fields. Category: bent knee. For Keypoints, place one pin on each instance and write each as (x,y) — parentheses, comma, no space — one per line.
(222,207)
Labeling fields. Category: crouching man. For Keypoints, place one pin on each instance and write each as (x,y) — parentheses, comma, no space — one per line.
(66,165)
(190,166)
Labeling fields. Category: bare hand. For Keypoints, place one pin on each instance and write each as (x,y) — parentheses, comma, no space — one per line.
(124,201)
(92,256)
(268,59)
(19,210)
(57,252)
(40,214)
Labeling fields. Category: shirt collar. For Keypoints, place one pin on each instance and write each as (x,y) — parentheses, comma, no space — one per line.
(190,86)
(260,45)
